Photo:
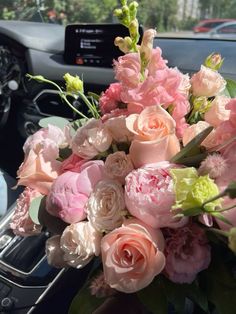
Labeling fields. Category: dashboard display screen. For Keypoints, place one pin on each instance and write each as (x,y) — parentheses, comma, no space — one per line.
(93,44)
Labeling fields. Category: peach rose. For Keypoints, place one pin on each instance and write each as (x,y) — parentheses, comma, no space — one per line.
(217,112)
(207,82)
(91,139)
(154,136)
(39,169)
(132,256)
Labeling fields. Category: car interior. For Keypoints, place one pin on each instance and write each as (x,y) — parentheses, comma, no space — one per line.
(52,50)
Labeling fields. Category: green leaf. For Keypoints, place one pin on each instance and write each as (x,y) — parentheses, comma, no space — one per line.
(153,297)
(231,189)
(84,302)
(221,286)
(188,150)
(194,161)
(177,294)
(219,216)
(34,209)
(230,89)
(57,121)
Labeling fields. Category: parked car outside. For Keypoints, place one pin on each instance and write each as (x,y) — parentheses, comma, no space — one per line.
(224,31)
(205,26)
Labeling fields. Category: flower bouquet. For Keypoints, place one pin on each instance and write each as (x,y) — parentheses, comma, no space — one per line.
(143,188)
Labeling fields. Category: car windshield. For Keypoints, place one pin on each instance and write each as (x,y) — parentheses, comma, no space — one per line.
(173,18)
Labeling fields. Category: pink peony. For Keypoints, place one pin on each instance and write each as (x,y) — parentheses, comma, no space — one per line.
(187,253)
(70,192)
(149,195)
(207,82)
(154,131)
(110,100)
(21,223)
(127,70)
(132,256)
(91,139)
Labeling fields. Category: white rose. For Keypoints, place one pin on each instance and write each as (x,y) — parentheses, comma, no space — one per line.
(80,242)
(54,252)
(118,166)
(91,139)
(105,206)
(118,130)
(217,112)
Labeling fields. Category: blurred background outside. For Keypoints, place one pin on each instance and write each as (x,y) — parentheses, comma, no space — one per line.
(164,15)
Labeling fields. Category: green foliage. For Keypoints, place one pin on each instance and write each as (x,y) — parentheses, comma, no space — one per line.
(34,209)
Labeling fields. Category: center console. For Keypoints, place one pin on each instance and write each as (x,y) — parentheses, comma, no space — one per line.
(28,284)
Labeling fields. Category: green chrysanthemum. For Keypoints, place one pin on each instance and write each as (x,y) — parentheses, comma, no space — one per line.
(193,191)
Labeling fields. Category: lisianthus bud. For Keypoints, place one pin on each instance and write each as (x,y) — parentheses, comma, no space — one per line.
(214,61)
(73,83)
(232,239)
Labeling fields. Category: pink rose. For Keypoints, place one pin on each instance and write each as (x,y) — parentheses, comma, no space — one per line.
(80,243)
(21,223)
(70,191)
(149,195)
(54,252)
(207,82)
(128,69)
(91,139)
(72,163)
(132,256)
(110,100)
(118,129)
(217,112)
(187,253)
(40,168)
(118,165)
(154,131)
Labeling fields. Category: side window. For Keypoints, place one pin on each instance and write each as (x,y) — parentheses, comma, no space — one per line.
(230,29)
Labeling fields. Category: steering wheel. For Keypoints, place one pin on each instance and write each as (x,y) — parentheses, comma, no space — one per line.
(10,74)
